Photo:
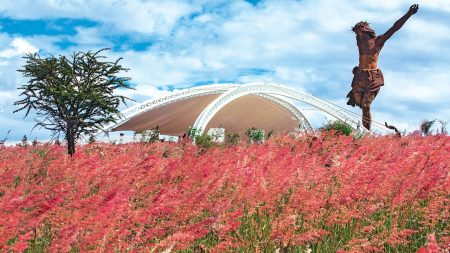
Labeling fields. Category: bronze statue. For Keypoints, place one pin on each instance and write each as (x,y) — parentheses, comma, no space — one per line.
(368,78)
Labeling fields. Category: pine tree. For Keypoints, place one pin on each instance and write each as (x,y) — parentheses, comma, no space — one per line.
(73,96)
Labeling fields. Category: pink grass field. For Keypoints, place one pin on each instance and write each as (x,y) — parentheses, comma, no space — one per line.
(321,194)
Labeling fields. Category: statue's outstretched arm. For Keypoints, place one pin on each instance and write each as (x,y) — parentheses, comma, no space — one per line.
(397,25)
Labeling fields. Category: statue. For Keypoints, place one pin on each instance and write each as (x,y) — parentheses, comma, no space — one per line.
(368,79)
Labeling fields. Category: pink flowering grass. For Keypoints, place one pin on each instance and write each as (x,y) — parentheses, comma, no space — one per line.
(321,193)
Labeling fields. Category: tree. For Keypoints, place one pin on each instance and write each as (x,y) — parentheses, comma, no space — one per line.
(425,126)
(72,96)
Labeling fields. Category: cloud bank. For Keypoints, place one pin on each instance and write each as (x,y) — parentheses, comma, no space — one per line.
(303,44)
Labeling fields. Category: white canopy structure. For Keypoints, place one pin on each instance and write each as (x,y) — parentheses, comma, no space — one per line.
(232,107)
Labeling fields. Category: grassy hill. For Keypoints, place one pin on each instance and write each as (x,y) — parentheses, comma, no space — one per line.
(320,193)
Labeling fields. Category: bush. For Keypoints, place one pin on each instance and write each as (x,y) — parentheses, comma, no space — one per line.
(233,139)
(204,141)
(339,127)
(255,135)
(150,136)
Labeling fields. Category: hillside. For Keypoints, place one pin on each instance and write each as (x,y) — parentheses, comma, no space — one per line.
(325,193)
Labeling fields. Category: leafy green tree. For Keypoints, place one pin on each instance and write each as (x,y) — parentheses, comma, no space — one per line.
(73,96)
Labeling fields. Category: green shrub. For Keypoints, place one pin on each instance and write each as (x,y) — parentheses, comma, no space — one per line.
(150,136)
(339,127)
(204,141)
(232,139)
(255,135)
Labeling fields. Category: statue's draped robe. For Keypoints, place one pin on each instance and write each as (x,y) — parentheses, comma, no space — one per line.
(364,82)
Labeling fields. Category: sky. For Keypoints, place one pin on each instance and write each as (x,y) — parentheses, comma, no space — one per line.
(174,44)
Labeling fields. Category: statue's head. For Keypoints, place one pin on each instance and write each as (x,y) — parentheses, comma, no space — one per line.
(362,28)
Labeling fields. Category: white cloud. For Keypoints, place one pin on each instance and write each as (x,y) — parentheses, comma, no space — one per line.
(429,36)
(6,98)
(143,90)
(441,5)
(422,85)
(156,17)
(19,47)
(305,44)
(160,69)
(89,37)
(22,46)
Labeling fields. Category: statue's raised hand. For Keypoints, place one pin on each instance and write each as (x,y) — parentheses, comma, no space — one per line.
(413,9)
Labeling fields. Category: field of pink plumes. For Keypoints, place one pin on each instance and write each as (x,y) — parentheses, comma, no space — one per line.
(324,194)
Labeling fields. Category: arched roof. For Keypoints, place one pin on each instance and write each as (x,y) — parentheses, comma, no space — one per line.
(230,106)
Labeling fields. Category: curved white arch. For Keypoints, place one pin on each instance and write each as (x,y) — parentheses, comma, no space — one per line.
(271,89)
(304,124)
(229,92)
(177,95)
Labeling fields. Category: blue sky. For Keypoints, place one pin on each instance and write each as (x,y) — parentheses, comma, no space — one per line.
(174,44)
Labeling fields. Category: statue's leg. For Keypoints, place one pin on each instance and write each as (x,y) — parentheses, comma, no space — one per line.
(366,117)
(367,100)
(358,96)
(358,87)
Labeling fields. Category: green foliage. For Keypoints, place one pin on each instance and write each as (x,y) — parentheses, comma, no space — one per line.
(24,141)
(339,127)
(2,141)
(255,135)
(425,126)
(39,244)
(194,132)
(154,134)
(254,232)
(35,142)
(150,136)
(443,127)
(204,141)
(17,181)
(232,139)
(270,133)
(91,139)
(74,95)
